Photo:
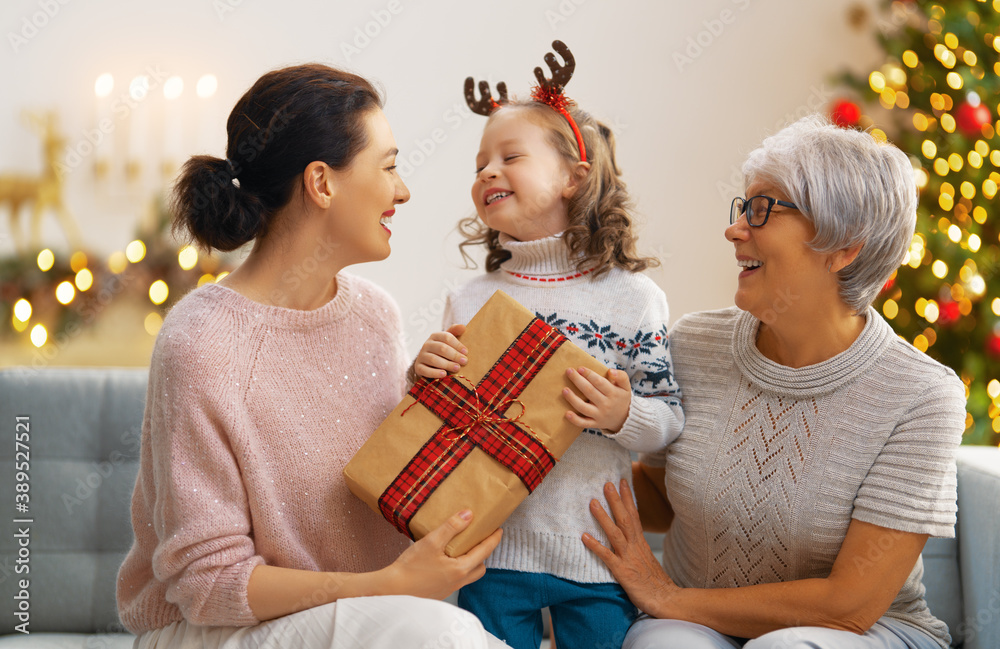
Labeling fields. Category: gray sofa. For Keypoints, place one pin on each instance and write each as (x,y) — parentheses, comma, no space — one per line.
(83,434)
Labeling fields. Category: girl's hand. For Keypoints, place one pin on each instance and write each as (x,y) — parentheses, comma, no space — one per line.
(442,353)
(608,399)
(424,570)
(630,558)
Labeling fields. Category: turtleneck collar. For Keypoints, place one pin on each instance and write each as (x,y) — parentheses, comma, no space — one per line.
(811,380)
(547,259)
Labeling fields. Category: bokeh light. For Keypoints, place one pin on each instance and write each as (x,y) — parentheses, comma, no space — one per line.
(46,259)
(138,88)
(152,323)
(206,86)
(158,292)
(65,292)
(39,335)
(135,251)
(187,257)
(117,262)
(173,87)
(104,85)
(84,279)
(22,310)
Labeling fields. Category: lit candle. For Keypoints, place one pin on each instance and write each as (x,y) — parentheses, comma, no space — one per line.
(138,131)
(208,126)
(105,126)
(172,121)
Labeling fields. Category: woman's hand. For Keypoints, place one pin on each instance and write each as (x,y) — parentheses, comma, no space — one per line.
(630,558)
(607,399)
(857,592)
(424,570)
(442,353)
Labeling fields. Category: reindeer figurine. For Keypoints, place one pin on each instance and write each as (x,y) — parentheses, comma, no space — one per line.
(44,191)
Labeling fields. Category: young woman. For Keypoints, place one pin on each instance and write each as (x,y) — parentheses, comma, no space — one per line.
(245,533)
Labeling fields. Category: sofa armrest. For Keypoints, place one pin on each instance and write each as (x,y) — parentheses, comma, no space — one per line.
(979,545)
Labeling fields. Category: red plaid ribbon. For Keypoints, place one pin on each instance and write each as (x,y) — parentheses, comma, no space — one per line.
(474,417)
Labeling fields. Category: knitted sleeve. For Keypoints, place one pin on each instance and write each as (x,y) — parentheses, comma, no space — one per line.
(448,316)
(655,417)
(205,552)
(912,485)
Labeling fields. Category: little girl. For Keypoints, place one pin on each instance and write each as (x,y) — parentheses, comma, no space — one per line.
(555,221)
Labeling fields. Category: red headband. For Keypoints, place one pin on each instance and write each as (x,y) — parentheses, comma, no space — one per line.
(548,91)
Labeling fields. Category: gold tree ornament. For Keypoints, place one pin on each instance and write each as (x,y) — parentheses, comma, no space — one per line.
(44,191)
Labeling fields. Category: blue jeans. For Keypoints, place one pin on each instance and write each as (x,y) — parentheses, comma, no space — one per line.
(509,603)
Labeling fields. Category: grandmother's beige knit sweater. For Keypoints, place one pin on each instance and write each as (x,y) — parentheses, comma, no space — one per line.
(775,462)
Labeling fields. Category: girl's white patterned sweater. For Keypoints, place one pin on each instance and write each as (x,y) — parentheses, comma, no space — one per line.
(620,318)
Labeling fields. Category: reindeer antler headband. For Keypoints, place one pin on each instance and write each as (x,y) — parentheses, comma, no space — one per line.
(548,91)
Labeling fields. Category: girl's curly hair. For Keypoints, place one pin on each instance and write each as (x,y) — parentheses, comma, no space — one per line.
(600,221)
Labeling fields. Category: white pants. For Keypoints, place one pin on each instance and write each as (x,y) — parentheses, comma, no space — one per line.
(388,622)
(649,633)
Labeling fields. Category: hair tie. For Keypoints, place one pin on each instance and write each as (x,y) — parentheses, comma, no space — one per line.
(233,180)
(233,173)
(548,91)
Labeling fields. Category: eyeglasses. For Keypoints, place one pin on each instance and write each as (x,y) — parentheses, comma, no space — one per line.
(757,209)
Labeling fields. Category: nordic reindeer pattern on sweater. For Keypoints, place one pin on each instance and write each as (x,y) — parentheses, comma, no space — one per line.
(647,351)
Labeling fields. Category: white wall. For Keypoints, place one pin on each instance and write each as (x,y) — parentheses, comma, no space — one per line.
(683,126)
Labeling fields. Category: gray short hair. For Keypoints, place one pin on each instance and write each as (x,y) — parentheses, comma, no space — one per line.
(854,189)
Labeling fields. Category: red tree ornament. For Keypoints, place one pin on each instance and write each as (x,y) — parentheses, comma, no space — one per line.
(845,113)
(993,345)
(972,117)
(949,313)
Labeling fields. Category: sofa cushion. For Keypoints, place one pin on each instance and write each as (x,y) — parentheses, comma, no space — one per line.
(84,431)
(979,546)
(942,582)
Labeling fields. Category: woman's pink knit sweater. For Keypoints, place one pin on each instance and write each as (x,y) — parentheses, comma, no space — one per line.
(252,411)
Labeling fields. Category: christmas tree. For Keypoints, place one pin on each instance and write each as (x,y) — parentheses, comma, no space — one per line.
(936,97)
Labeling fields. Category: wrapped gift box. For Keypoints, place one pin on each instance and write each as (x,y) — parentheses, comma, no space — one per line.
(479,439)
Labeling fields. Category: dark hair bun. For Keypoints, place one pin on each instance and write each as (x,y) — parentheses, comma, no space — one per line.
(208,204)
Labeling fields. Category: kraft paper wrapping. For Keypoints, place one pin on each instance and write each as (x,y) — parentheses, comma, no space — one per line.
(479,483)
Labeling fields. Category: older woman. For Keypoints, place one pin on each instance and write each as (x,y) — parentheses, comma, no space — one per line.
(818,454)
